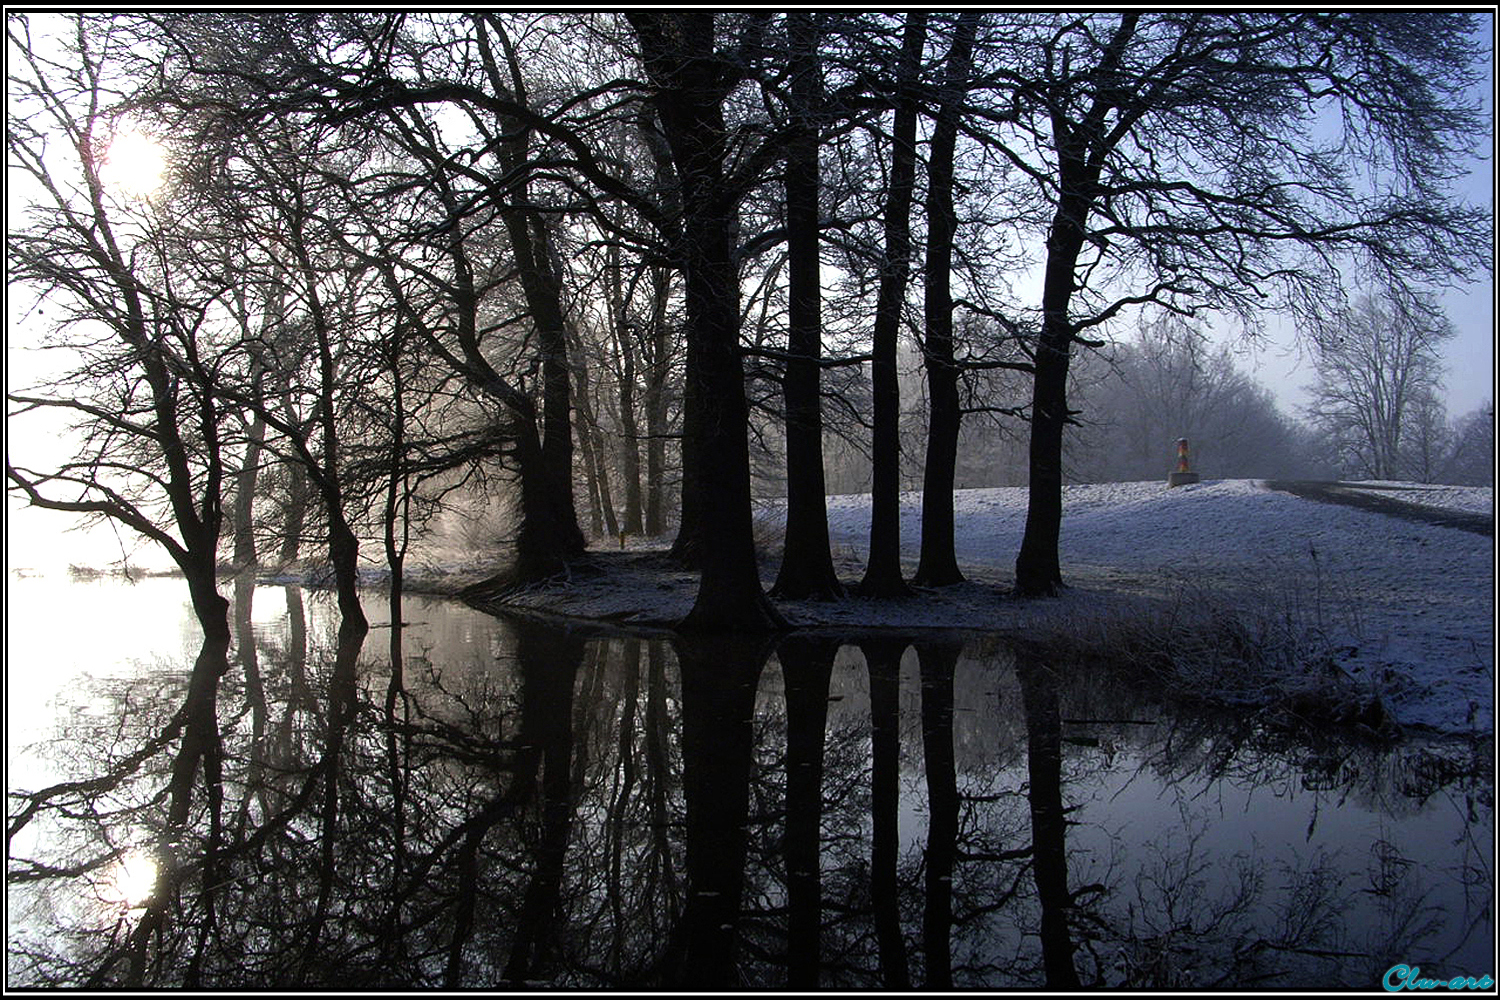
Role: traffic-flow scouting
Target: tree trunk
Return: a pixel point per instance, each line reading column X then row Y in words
column 630, row 442
column 656, row 406
column 606, row 497
column 541, row 284
column 656, row 445
column 630, row 445
column 543, row 289
column 687, row 547
column 343, row 545
column 679, row 55
column 591, row 475
column 883, row 576
column 938, row 565
column 601, row 505
column 295, row 520
column 538, row 554
column 729, row 592
column 807, row 563
column 244, row 495
column 1038, row 571
column 1079, row 161
column 659, row 363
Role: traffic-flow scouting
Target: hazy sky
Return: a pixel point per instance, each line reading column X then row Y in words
column 1470, row 355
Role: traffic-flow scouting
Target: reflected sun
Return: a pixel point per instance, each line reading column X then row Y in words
column 133, row 164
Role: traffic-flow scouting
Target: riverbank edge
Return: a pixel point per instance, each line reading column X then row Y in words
column 1175, row 644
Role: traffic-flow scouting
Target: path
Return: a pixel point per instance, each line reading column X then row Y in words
column 1358, row 495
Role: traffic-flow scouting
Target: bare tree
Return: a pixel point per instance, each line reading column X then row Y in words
column 1377, row 367
column 150, row 432
column 1168, row 383
column 938, row 564
column 1471, row 457
column 693, row 76
column 151, row 446
column 1182, row 168
column 807, row 564
column 1427, row 442
column 883, row 576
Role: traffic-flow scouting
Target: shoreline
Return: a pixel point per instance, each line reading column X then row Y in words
column 1238, row 584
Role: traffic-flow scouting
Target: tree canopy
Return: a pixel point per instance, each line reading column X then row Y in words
column 605, row 260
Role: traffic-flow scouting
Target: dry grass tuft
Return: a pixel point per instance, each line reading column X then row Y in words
column 1276, row 654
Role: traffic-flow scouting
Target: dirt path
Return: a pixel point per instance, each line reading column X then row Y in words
column 1358, row 495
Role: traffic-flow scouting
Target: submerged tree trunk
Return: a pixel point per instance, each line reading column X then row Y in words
column 883, row 576
column 807, row 563
column 550, row 674
column 719, row 681
column 938, row 662
column 1049, row 856
column 938, row 565
column 807, row 666
column 883, row 662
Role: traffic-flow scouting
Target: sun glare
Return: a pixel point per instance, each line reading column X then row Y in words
column 134, row 164
column 131, row 881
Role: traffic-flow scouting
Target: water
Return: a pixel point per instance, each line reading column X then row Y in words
column 529, row 806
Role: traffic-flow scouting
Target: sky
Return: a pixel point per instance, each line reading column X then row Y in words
column 1282, row 363
column 1470, row 356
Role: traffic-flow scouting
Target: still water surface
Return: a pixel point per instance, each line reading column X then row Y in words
column 523, row 805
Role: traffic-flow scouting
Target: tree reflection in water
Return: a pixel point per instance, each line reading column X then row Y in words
column 1049, row 853
column 543, row 807
column 883, row 663
column 938, row 661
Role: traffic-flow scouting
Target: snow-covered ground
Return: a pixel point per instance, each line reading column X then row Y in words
column 1414, row 602
column 1409, row 607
